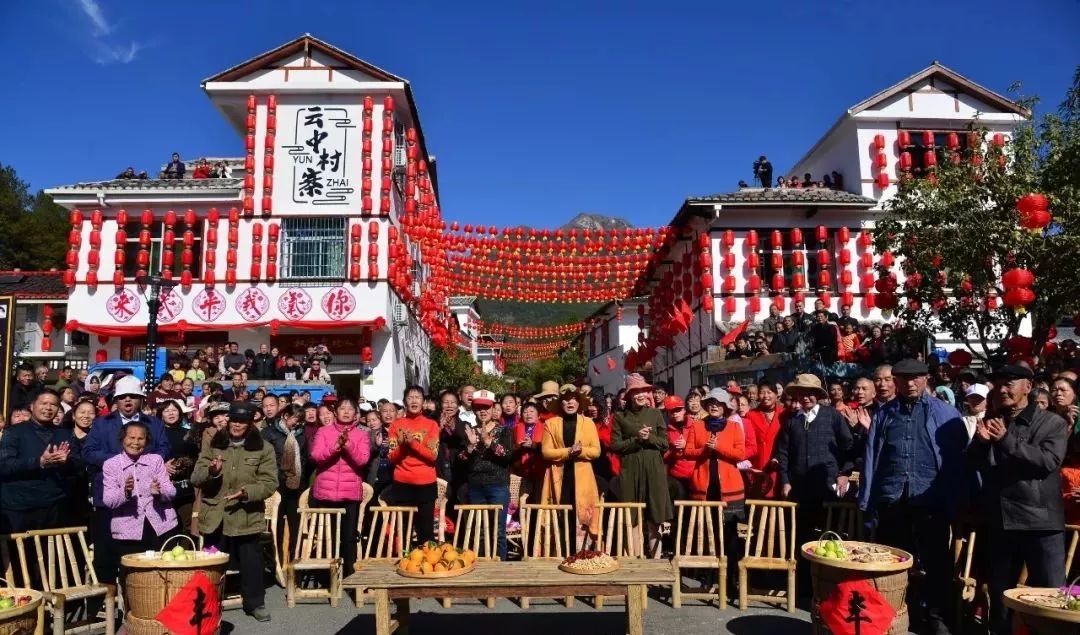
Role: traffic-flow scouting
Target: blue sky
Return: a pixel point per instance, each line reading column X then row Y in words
column 535, row 112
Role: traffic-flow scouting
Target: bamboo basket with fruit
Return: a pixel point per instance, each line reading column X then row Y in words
column 20, row 610
column 1047, row 611
column 833, row 560
column 436, row 560
column 153, row 578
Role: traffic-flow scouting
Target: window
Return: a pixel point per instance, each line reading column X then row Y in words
column 157, row 231
column 605, row 335
column 313, row 248
column 941, row 139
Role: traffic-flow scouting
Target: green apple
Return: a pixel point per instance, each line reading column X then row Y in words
column 177, row 550
column 7, row 602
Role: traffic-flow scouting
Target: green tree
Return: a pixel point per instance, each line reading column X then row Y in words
column 956, row 233
column 450, row 370
column 567, row 367
column 33, row 229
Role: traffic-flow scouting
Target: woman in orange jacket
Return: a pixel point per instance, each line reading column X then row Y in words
column 414, row 449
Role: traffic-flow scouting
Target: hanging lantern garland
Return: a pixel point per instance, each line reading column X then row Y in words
column 365, row 155
column 233, row 242
column 274, row 234
column 46, row 328
column 93, row 259
column 249, row 158
column 75, row 218
column 213, row 218
column 268, row 155
column 120, row 239
column 187, row 256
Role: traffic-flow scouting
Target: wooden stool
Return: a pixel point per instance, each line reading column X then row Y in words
column 62, row 557
column 700, row 546
column 545, row 535
column 477, row 528
column 770, row 546
column 318, row 548
column 622, row 534
column 845, row 518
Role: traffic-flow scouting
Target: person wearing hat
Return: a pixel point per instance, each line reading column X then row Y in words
column 975, row 404
column 679, row 468
column 717, row 446
column 812, row 455
column 915, row 481
column 639, row 436
column 569, row 446
column 1018, row 451
column 485, row 458
column 236, row 472
column 102, row 444
column 548, row 397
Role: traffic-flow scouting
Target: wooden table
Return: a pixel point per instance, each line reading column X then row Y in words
column 531, row 578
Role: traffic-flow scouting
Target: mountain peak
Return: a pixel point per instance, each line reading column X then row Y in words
column 597, row 221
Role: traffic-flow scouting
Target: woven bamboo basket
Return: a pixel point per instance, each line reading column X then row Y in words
column 149, row 584
column 889, row 578
column 21, row 620
column 1043, row 610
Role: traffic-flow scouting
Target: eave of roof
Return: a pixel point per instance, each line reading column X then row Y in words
column 774, row 197
column 306, row 43
column 151, row 185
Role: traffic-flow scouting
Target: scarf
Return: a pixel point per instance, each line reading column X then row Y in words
column 295, row 433
column 290, row 461
column 715, row 424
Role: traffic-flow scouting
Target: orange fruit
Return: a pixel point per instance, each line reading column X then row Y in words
column 416, row 555
column 433, row 556
column 426, row 567
column 456, row 564
column 469, row 556
column 440, row 566
column 403, row 564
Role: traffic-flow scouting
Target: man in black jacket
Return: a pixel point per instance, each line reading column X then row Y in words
column 1018, row 452
column 278, row 424
column 24, row 390
column 263, row 368
column 35, row 459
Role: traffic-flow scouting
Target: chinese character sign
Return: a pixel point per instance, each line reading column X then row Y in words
column 319, row 155
column 208, row 305
column 252, row 304
column 123, row 305
column 856, row 607
column 294, row 303
column 170, row 305
column 338, row 303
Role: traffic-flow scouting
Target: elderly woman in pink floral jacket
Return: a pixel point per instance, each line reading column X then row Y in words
column 137, row 487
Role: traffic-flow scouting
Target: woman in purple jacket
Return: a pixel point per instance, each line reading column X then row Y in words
column 137, row 487
column 340, row 451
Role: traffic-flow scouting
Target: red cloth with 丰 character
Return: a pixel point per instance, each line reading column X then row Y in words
column 195, row 610
column 855, row 607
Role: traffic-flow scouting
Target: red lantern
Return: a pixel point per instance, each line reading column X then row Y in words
column 822, row 233
column 752, row 238
column 777, row 281
column 844, row 256
column 1017, row 278
column 928, row 138
column 729, row 238
column 881, row 161
column 930, row 159
column 999, row 139
column 798, row 280
column 777, row 239
column 753, row 283
column 843, row 235
column 866, row 260
column 729, row 304
column 960, row 358
column 903, row 138
column 879, row 141
column 847, row 298
column 824, row 258
column 796, row 237
column 887, row 259
column 753, row 261
column 886, row 301
column 707, row 303
column 101, row 356
column 882, row 181
column 1018, row 297
column 952, row 141
column 905, row 161
column 729, row 260
column 845, row 278
column 824, row 279
column 797, row 258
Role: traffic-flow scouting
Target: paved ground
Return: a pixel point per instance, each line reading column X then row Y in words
column 545, row 617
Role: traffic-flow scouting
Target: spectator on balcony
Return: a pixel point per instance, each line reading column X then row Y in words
column 291, row 371
column 803, row 320
column 761, row 345
column 316, row 373
column 793, row 181
column 807, row 181
column 233, row 361
column 41, row 375
column 176, row 372
column 79, row 383
column 202, row 170
column 787, row 337
column 165, row 390
column 781, row 182
column 238, row 387
column 129, row 173
column 181, row 356
column 819, row 305
column 263, row 366
column 763, row 172
column 175, row 169
column 24, row 390
column 322, row 355
column 851, row 344
column 63, row 378
column 845, row 317
column 771, row 324
column 826, row 182
column 837, row 180
column 221, row 171
column 195, row 373
column 824, row 339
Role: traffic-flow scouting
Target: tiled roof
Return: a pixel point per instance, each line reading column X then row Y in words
column 787, row 196
column 462, row 300
column 33, row 284
column 143, row 185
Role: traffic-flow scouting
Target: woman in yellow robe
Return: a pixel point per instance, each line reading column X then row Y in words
column 570, row 439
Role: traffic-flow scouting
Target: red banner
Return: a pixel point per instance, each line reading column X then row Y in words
column 195, row 610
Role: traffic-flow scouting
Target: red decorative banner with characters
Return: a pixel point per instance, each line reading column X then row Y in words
column 856, row 607
column 294, row 303
column 170, row 305
column 209, row 305
column 195, row 610
column 252, row 304
column 123, row 305
column 338, row 303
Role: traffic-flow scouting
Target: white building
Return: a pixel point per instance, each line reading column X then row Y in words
column 302, row 245
column 868, row 146
column 482, row 347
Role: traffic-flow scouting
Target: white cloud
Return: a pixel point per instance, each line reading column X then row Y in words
column 105, row 48
column 96, row 16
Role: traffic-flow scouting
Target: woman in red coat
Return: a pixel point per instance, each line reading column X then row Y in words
column 765, row 420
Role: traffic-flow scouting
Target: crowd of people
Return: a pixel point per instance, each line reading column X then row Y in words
column 763, row 172
column 136, row 466
column 176, row 170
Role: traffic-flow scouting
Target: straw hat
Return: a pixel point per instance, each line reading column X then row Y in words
column 547, row 389
column 807, row 383
column 570, row 390
column 634, row 381
column 719, row 395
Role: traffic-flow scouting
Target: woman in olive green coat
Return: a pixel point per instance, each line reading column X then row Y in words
column 639, row 437
column 236, row 472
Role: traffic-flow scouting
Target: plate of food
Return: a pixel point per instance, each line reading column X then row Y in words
column 588, row 562
column 850, row 554
column 436, row 560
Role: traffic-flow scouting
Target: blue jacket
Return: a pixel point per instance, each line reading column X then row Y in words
column 949, row 438
column 27, row 485
column 103, row 443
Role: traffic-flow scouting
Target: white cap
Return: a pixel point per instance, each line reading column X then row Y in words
column 398, row 403
column 365, row 407
column 977, row 389
column 129, row 385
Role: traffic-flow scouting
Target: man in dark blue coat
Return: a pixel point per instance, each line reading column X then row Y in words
column 35, row 461
column 102, row 444
column 915, row 480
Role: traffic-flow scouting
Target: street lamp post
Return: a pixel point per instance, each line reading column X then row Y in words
column 156, row 284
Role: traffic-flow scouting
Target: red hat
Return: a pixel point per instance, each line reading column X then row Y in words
column 674, row 402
